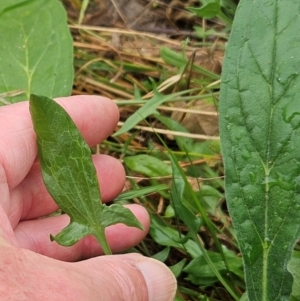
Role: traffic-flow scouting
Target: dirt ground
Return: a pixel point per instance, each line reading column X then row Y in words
column 165, row 16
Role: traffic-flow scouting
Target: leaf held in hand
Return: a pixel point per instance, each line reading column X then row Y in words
column 260, row 130
column 70, row 176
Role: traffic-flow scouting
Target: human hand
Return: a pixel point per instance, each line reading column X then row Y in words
column 34, row 268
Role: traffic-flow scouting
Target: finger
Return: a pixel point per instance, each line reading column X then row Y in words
column 96, row 118
column 129, row 277
column 30, row 199
column 35, row 236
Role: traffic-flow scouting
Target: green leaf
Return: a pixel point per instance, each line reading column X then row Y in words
column 148, row 165
column 294, row 268
column 136, row 193
column 167, row 236
column 115, row 214
column 177, row 268
column 142, row 113
column 184, row 144
column 70, row 176
column 178, row 189
column 178, row 60
column 172, row 57
column 209, row 198
column 36, row 49
column 259, row 127
column 162, row 255
column 209, row 9
column 71, row 234
column 205, row 275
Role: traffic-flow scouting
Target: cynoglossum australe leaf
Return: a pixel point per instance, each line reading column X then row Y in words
column 70, row 176
column 260, row 130
column 36, row 49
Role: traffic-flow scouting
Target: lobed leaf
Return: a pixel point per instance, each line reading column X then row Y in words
column 260, row 130
column 70, row 176
column 115, row 214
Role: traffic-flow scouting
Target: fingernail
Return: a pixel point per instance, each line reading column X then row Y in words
column 160, row 281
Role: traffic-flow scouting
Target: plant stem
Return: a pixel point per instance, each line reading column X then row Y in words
column 100, row 236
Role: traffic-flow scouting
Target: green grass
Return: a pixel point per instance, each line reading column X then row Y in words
column 173, row 169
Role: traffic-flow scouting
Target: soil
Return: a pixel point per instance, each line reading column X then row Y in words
column 165, row 16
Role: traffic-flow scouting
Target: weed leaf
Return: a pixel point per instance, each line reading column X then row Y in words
column 209, row 9
column 115, row 214
column 180, row 187
column 167, row 236
column 184, row 144
column 135, row 193
column 147, row 109
column 142, row 113
column 148, row 165
column 260, row 130
column 70, row 176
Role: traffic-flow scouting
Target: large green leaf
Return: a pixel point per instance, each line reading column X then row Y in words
column 36, row 51
column 70, row 176
column 259, row 127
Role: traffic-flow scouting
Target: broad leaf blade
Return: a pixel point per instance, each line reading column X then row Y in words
column 36, row 51
column 259, row 127
column 65, row 158
column 70, row 176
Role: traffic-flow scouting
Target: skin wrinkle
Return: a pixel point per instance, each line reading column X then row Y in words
column 26, row 285
column 6, row 231
column 4, row 190
column 32, row 194
column 120, row 273
column 21, row 137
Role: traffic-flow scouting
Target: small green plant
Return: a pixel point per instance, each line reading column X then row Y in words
column 70, row 176
column 260, row 130
column 223, row 9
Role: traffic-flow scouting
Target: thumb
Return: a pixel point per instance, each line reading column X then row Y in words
column 131, row 277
